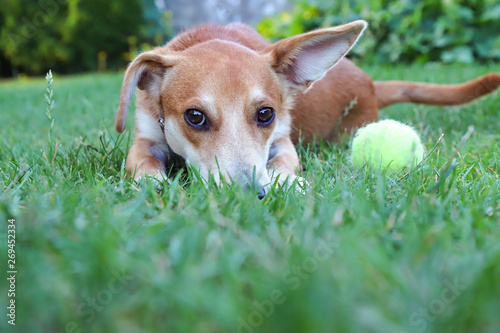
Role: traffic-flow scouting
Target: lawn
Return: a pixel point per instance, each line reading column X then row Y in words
column 360, row 251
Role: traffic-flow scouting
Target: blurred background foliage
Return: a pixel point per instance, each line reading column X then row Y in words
column 76, row 35
column 70, row 36
column 407, row 31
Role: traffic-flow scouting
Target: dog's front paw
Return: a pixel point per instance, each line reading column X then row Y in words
column 158, row 179
column 300, row 184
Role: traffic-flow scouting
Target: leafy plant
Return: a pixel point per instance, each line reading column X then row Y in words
column 406, row 30
column 74, row 36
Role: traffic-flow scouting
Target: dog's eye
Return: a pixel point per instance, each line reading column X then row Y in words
column 265, row 116
column 195, row 118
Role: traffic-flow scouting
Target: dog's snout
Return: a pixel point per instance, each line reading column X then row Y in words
column 253, row 184
column 262, row 193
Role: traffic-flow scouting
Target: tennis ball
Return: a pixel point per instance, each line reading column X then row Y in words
column 386, row 144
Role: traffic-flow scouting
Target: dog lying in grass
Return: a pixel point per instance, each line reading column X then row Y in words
column 233, row 105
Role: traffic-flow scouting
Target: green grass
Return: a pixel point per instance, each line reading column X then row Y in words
column 359, row 252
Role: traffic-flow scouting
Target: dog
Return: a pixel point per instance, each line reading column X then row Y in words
column 232, row 105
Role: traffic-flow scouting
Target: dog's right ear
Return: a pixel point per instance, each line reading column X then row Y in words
column 146, row 72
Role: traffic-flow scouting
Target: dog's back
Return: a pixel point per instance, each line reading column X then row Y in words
column 237, row 33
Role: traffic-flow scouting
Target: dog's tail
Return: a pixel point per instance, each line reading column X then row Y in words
column 391, row 92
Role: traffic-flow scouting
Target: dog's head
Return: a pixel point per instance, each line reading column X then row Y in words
column 224, row 104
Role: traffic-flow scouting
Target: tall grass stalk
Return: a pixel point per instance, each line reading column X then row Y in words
column 49, row 99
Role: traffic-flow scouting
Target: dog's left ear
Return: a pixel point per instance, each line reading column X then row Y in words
column 305, row 58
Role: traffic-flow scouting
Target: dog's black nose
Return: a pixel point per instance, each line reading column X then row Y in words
column 261, row 194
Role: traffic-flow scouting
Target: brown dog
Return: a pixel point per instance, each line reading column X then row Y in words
column 233, row 105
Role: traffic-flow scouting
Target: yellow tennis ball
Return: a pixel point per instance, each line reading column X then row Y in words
column 386, row 144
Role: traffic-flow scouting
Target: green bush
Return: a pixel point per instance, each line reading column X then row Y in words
column 407, row 30
column 74, row 35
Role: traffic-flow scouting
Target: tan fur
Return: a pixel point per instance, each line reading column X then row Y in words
column 391, row 92
column 231, row 72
